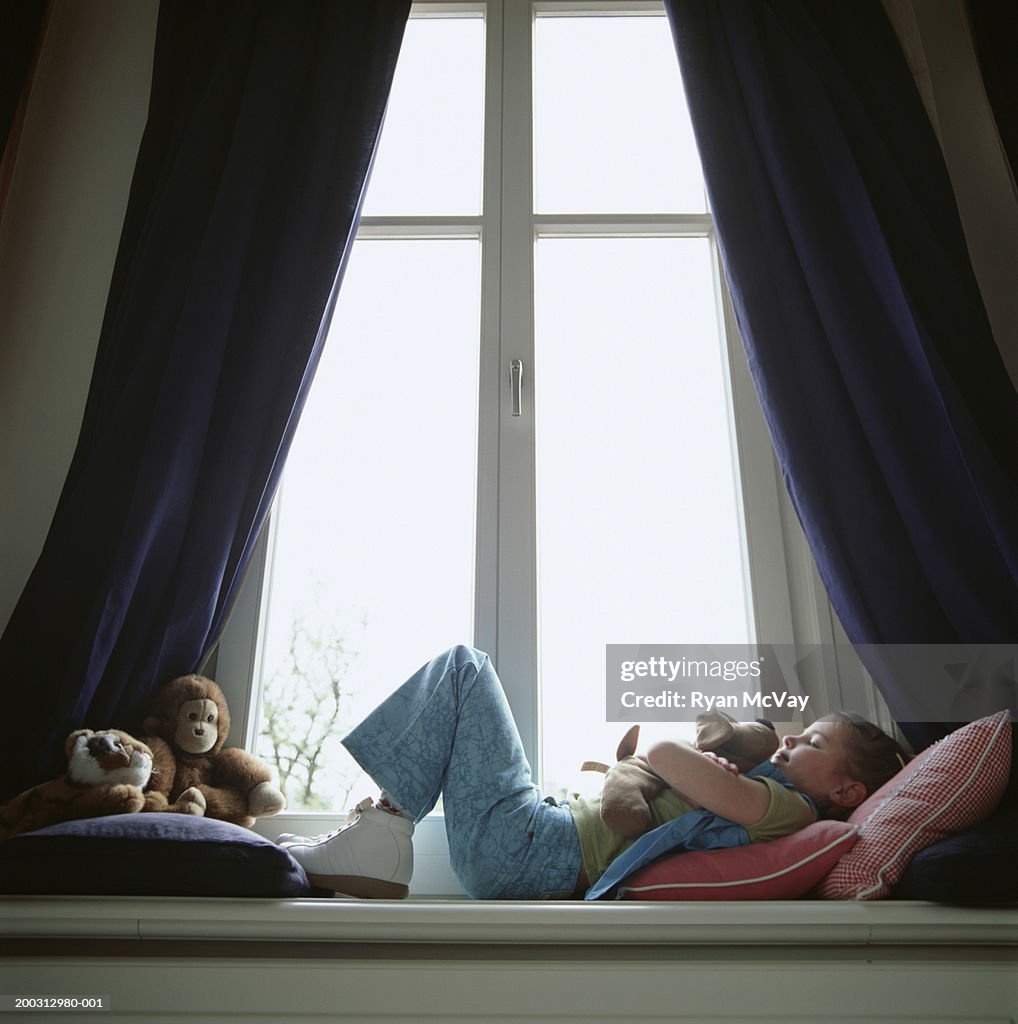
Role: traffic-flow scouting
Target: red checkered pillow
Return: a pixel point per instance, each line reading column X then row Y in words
column 950, row 786
column 782, row 869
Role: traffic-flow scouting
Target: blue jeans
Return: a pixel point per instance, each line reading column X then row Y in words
column 448, row 730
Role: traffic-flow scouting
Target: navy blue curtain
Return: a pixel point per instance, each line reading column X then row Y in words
column 262, row 127
column 890, row 409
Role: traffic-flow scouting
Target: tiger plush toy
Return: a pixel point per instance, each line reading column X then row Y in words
column 106, row 773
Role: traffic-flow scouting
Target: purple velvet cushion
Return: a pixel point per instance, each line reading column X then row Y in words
column 149, row 855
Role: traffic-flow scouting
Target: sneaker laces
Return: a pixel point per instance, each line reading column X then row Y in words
column 351, row 816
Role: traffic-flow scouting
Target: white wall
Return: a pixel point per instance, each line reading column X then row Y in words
column 58, row 241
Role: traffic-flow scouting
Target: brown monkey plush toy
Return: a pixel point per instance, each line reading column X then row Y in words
column 192, row 772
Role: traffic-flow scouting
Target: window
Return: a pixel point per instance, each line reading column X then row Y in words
column 537, row 200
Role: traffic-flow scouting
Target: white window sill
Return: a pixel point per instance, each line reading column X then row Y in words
column 433, row 921
column 433, row 875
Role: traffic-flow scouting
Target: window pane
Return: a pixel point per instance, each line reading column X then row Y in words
column 639, row 528
column 611, row 129
column 373, row 568
column 429, row 155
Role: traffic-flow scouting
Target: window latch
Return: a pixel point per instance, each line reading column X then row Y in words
column 516, row 385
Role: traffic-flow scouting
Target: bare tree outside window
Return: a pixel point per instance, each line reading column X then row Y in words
column 305, row 711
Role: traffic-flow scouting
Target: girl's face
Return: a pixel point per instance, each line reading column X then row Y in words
column 815, row 762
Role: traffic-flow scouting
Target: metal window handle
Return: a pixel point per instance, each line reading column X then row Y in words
column 516, row 385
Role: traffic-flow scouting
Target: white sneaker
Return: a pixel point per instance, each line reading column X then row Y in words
column 372, row 856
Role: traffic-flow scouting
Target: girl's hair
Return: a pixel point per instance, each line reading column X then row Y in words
column 872, row 756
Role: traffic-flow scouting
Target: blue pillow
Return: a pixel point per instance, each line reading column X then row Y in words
column 149, row 855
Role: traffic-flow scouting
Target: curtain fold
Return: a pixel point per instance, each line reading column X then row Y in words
column 262, row 127
column 994, row 26
column 23, row 24
column 891, row 412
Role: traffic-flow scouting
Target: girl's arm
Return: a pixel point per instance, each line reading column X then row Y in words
column 711, row 785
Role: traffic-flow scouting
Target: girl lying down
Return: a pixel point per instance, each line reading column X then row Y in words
column 448, row 731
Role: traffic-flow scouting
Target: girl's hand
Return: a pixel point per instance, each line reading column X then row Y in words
column 722, row 761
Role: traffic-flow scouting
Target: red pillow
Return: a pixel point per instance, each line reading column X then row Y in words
column 948, row 787
column 782, row 869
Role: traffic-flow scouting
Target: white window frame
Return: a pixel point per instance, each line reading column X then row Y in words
column 789, row 606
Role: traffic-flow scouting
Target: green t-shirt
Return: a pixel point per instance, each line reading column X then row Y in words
column 787, row 812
